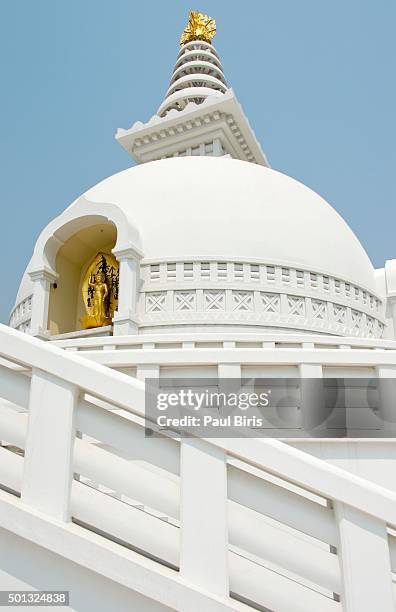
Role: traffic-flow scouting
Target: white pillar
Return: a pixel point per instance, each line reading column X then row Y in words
column 313, row 407
column 392, row 304
column 364, row 560
column 387, row 397
column 42, row 280
column 147, row 371
column 228, row 370
column 203, row 515
column 390, row 283
column 217, row 147
column 48, row 466
column 125, row 319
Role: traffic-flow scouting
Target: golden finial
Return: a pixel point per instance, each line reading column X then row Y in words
column 199, row 27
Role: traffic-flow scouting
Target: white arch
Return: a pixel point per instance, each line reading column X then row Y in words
column 82, row 213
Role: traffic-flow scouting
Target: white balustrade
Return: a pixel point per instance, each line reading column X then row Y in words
column 227, row 512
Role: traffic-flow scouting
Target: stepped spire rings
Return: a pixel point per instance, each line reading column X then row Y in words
column 199, row 27
column 100, row 291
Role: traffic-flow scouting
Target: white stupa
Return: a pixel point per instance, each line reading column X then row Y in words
column 200, row 261
column 210, row 236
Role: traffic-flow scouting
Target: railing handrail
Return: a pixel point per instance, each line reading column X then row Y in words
column 93, row 378
column 272, row 456
column 207, row 356
column 165, row 338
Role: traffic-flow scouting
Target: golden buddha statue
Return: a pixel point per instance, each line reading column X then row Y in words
column 100, row 291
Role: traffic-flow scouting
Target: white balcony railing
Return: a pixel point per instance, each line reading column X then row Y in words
column 237, row 523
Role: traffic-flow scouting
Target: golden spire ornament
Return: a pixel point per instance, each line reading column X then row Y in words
column 199, row 27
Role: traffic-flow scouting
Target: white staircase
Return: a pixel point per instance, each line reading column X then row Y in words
column 190, row 525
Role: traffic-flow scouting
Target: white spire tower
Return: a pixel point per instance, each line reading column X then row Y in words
column 197, row 75
column 200, row 114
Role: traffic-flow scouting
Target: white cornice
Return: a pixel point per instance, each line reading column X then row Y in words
column 128, row 253
column 44, row 273
column 218, row 117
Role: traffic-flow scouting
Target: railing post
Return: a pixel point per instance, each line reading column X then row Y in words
column 203, row 515
column 365, row 561
column 48, row 466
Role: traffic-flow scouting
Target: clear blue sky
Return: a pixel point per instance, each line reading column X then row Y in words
column 316, row 80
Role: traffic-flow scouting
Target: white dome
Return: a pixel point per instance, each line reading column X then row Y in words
column 220, row 207
column 304, row 269
column 197, row 207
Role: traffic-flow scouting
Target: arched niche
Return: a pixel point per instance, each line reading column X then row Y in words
column 71, row 262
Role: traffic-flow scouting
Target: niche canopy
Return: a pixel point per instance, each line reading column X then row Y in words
column 200, row 114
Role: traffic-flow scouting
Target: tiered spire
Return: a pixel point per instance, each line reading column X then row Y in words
column 200, row 114
column 198, row 72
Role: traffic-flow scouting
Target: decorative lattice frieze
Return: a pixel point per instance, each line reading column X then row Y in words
column 370, row 326
column 270, row 302
column 257, row 307
column 310, row 283
column 356, row 319
column 257, row 293
column 379, row 329
column 339, row 313
column 155, row 302
column 214, row 300
column 243, row 300
column 296, row 305
column 185, row 300
column 319, row 309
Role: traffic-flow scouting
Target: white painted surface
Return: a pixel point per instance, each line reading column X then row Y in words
column 203, row 515
column 40, row 302
column 248, row 198
column 279, row 593
column 285, row 260
column 365, row 561
column 274, row 510
column 109, row 560
column 250, row 531
column 125, row 318
column 374, row 460
column 48, row 465
column 44, row 570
